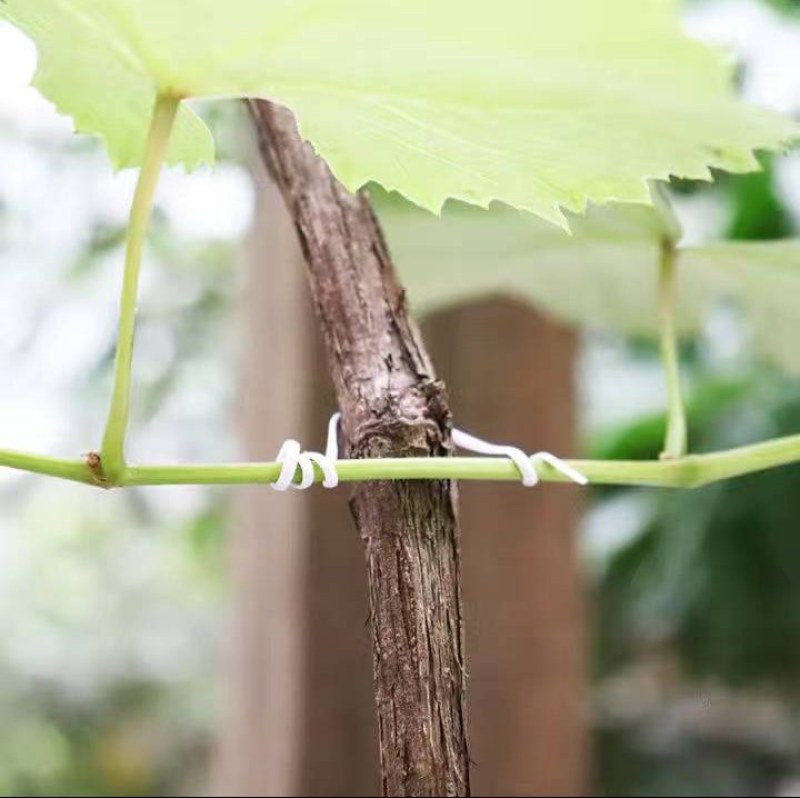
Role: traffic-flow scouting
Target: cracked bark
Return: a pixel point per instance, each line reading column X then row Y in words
column 393, row 406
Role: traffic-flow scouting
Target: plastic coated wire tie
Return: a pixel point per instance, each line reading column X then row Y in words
column 526, row 465
column 291, row 457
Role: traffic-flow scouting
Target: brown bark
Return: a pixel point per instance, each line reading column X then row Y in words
column 510, row 373
column 392, row 405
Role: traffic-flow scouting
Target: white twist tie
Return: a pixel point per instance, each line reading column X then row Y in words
column 526, row 465
column 291, row 457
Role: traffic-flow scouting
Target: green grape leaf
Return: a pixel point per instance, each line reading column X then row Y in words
column 467, row 254
column 91, row 72
column 763, row 278
column 542, row 105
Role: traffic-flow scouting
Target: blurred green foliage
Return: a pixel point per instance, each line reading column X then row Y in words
column 696, row 613
column 788, row 6
column 758, row 213
column 713, row 571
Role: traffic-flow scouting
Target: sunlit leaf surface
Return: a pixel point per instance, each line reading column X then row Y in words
column 543, row 105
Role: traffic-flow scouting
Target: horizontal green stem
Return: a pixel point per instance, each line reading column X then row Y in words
column 72, row 470
column 686, row 472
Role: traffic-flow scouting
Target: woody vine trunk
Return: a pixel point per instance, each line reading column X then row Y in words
column 392, row 406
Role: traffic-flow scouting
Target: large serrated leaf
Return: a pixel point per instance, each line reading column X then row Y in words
column 91, row 74
column 543, row 105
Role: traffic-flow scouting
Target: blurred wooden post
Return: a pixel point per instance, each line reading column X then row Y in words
column 259, row 752
column 340, row 741
column 509, row 373
column 298, row 722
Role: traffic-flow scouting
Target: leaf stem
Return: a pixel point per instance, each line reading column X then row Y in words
column 676, row 442
column 113, row 448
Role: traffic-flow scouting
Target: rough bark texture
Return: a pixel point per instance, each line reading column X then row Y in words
column 392, row 406
column 510, row 372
